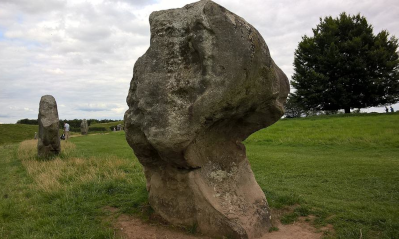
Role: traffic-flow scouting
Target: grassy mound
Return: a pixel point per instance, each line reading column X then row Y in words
column 14, row 133
column 358, row 130
column 106, row 126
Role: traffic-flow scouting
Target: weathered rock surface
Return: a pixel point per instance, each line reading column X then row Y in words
column 205, row 84
column 84, row 127
column 48, row 143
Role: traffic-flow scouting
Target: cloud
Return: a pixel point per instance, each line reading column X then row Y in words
column 90, row 33
column 111, row 108
column 93, row 107
column 83, row 52
column 134, row 2
column 119, row 110
column 34, row 7
column 55, row 71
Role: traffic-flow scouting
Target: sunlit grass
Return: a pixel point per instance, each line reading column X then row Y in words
column 64, row 196
column 27, row 149
column 68, row 171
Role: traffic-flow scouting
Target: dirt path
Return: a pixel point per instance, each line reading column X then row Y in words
column 134, row 228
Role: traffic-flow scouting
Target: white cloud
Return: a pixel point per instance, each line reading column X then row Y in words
column 83, row 52
column 55, row 71
column 34, row 7
column 93, row 107
column 119, row 110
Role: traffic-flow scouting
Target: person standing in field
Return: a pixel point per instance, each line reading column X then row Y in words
column 386, row 109
column 392, row 110
column 66, row 131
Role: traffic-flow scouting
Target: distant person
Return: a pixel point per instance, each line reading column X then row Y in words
column 66, row 131
column 114, row 129
column 35, row 135
column 386, row 109
column 392, row 110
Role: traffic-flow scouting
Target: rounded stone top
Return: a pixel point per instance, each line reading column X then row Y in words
column 206, row 68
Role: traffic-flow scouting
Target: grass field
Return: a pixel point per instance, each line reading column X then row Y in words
column 14, row 133
column 341, row 169
column 106, row 125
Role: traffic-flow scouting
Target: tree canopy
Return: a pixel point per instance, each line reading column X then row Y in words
column 344, row 65
column 293, row 109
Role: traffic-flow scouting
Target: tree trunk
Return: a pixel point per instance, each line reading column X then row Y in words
column 347, row 110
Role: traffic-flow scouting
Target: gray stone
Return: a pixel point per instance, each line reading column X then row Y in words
column 206, row 83
column 48, row 143
column 84, row 127
column 119, row 127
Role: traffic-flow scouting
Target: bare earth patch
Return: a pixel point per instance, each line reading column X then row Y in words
column 131, row 227
column 298, row 230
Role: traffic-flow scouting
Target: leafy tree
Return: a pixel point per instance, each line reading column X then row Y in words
column 28, row 121
column 293, row 109
column 344, row 65
column 75, row 123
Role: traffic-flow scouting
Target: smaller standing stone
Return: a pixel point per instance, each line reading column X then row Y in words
column 119, row 127
column 48, row 143
column 84, row 127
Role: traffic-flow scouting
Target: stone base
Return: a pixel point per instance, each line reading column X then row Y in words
column 219, row 202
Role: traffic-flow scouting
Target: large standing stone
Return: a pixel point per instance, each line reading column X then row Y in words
column 48, row 143
column 206, row 83
column 84, row 127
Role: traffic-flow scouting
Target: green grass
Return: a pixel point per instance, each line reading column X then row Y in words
column 14, row 133
column 343, row 170
column 103, row 145
column 66, row 197
column 106, row 125
column 358, row 130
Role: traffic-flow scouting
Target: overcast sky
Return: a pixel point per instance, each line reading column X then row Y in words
column 82, row 51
